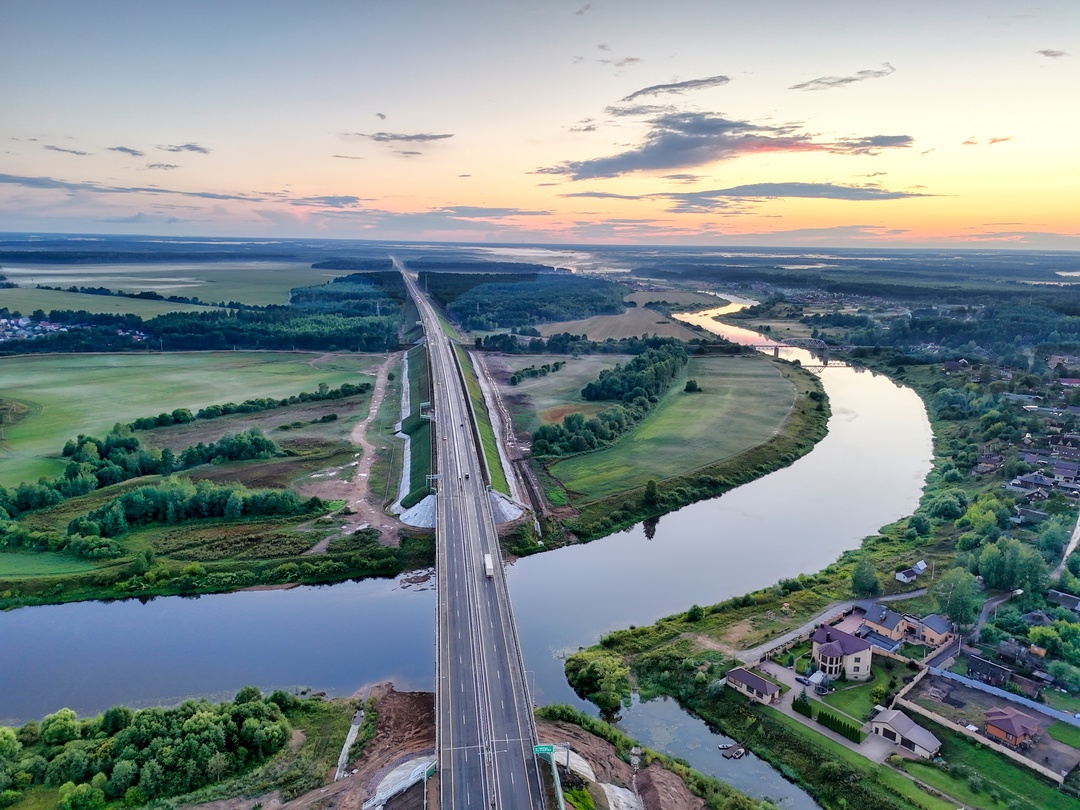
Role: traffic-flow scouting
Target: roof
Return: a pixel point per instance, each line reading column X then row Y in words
column 906, row 727
column 937, row 623
column 980, row 666
column 879, row 615
column 845, row 642
column 1064, row 599
column 747, row 678
column 1012, row 721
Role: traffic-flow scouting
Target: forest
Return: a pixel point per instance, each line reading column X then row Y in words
column 135, row 757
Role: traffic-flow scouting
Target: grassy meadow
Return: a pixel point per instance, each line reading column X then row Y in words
column 248, row 282
column 540, row 400
column 632, row 323
column 65, row 395
column 743, row 403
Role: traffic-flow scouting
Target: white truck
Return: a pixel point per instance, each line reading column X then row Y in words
column 489, row 566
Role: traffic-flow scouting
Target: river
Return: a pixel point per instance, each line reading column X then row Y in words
column 868, row 471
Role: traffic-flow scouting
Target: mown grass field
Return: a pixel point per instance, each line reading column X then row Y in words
column 71, row 394
column 26, row 300
column 38, row 563
column 744, row 401
column 483, row 425
column 632, row 323
column 539, row 400
column 247, row 282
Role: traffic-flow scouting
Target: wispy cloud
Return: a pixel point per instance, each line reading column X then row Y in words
column 1000, row 140
column 50, row 183
column 1050, row 53
column 348, row 157
column 164, row 166
column 327, row 201
column 381, row 116
column 682, row 178
column 409, row 153
column 52, row 148
column 127, row 150
column 482, row 212
column 828, row 82
column 638, row 110
column 399, row 137
column 688, row 139
column 586, row 125
column 583, row 9
column 678, row 87
column 185, row 147
column 622, row 62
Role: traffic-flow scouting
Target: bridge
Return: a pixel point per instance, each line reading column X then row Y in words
column 485, row 730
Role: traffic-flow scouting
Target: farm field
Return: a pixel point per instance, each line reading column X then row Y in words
column 27, row 299
column 248, row 282
column 540, row 400
column 71, row 394
column 632, row 323
column 744, row 401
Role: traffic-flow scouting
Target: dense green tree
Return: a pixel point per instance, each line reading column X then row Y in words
column 957, row 595
column 59, row 728
column 864, row 578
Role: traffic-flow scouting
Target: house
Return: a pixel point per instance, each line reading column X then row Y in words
column 836, row 652
column 1011, row 726
column 753, row 685
column 980, row 669
column 909, row 575
column 879, row 622
column 898, row 728
column 1064, row 599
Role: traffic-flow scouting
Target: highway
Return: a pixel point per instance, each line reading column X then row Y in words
column 485, row 727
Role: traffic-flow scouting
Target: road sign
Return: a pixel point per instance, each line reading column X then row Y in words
column 543, row 749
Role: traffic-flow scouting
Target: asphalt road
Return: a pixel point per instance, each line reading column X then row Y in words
column 485, row 730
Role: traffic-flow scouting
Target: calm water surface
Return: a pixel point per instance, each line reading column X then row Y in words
column 867, row 472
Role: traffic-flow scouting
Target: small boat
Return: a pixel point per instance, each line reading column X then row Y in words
column 738, row 754
column 725, row 746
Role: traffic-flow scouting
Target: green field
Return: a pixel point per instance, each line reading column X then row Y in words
column 559, row 393
column 26, row 300
column 489, row 446
column 38, row 563
column 247, row 282
column 743, row 403
column 687, row 298
column 1065, row 733
column 632, row 323
column 71, row 394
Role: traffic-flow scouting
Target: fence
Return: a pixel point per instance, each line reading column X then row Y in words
column 1042, row 708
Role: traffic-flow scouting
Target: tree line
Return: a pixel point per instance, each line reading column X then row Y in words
column 636, row 387
column 137, row 757
column 181, row 416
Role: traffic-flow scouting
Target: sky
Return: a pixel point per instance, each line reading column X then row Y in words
column 777, row 123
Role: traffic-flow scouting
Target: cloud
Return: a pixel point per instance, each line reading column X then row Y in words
column 65, row 151
column 970, row 142
column 703, row 201
column 683, row 178
column 636, row 110
column 605, row 195
column 828, row 82
column 127, row 150
column 50, row 183
column 688, row 139
column 678, row 87
column 409, row 153
column 328, row 201
column 143, row 219
column 398, row 137
column 482, row 212
column 1049, row 53
column 381, row 116
column 583, row 9
column 165, row 166
column 348, row 157
column 464, row 175
column 623, row 62
column 586, row 125
column 1000, row 140
column 185, row 147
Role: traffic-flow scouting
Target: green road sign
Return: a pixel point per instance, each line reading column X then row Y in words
column 543, row 749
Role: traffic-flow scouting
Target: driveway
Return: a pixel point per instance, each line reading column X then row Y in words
column 874, row 748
